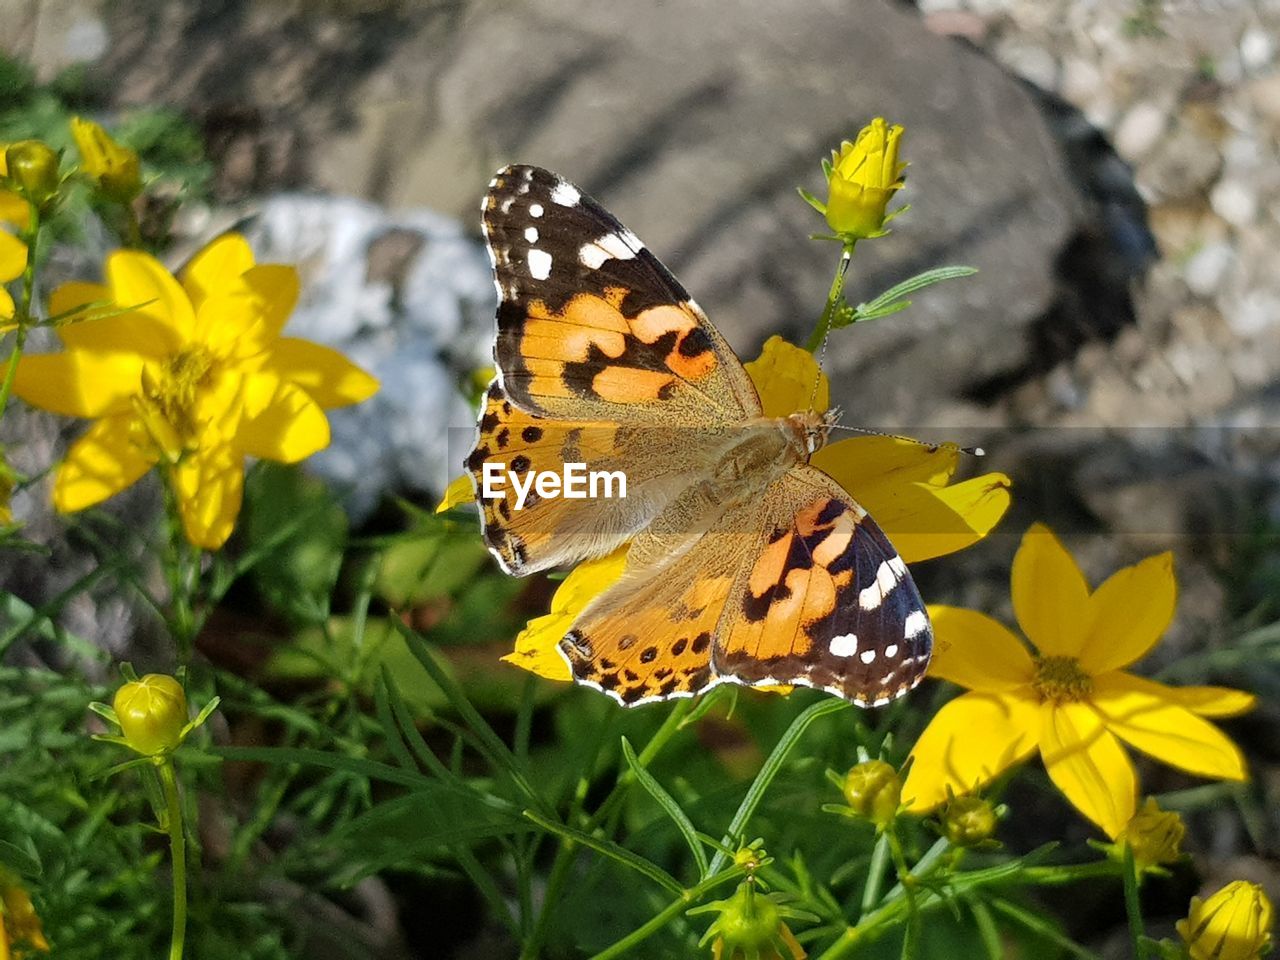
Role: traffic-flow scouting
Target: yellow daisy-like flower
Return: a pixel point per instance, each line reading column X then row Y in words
column 904, row 485
column 1233, row 924
column 1070, row 699
column 20, row 928
column 192, row 375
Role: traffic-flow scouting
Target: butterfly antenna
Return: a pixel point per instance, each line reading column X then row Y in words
column 817, row 379
column 971, row 451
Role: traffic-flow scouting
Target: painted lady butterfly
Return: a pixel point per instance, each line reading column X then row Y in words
column 745, row 563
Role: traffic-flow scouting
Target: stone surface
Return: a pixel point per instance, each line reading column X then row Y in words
column 695, row 123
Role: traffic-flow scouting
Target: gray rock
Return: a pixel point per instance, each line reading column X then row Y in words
column 694, row 123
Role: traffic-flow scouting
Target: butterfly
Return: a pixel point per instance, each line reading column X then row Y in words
column 745, row 563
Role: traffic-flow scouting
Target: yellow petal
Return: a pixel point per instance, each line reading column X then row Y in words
column 330, row 378
column 13, row 256
column 275, row 288
column 281, row 422
column 7, row 309
column 460, row 490
column 788, row 379
column 209, row 485
column 925, row 521
column 101, row 463
column 127, row 332
column 140, row 282
column 231, row 326
column 79, row 383
column 977, row 652
column 217, row 268
column 1129, row 613
column 968, row 743
column 537, row 645
column 1204, row 701
column 13, row 209
column 1165, row 729
column 1088, row 765
column 871, row 467
column 1050, row 595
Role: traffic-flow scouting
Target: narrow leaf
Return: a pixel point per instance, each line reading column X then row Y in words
column 669, row 804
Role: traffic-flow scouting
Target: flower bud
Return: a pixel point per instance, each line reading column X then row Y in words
column 19, row 923
column 864, row 176
column 116, row 169
column 1154, row 836
column 152, row 712
column 33, row 170
column 874, row 790
column 968, row 821
column 750, row 927
column 1233, row 924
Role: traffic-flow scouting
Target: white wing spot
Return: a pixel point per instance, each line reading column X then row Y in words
column 897, row 566
column 535, row 210
column 505, row 205
column 845, row 645
column 565, row 194
column 531, row 234
column 539, row 264
column 867, row 656
column 609, row 247
column 886, row 579
column 891, row 651
column 917, row 622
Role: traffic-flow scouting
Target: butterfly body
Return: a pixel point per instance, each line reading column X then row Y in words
column 744, row 563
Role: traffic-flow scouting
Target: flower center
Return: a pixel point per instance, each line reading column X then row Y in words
column 171, row 393
column 1061, row 680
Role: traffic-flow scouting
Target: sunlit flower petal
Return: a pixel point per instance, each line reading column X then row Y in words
column 79, row 383
column 1086, row 762
column 1050, row 595
column 330, row 378
column 1233, row 924
column 275, row 287
column 281, row 421
column 537, row 645
column 13, row 209
column 788, row 379
column 1129, row 614
column 970, row 742
column 460, row 490
column 977, row 652
column 138, row 281
column 217, row 268
column 1204, row 701
column 106, row 329
column 7, row 309
column 1165, row 730
column 210, row 485
column 925, row 521
column 876, row 465
column 104, row 461
column 13, row 257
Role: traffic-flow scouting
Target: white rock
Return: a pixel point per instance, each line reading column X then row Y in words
column 1205, row 270
column 1140, row 129
column 1257, row 48
column 1257, row 312
column 1234, row 201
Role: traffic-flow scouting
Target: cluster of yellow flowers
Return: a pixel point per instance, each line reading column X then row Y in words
column 189, row 373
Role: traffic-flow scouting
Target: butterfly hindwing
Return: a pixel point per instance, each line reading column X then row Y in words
column 591, row 326
column 825, row 601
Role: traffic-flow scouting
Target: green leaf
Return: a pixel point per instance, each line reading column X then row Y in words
column 772, row 766
column 669, row 804
column 610, row 849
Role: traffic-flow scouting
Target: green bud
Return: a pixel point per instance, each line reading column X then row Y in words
column 874, row 790
column 968, row 821
column 33, row 169
column 152, row 712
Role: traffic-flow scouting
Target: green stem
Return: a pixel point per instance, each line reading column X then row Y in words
column 178, row 572
column 178, row 853
column 1132, row 907
column 833, row 302
column 908, row 882
column 22, row 316
column 669, row 913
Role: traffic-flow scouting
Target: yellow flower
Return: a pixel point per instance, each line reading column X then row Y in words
column 13, row 209
column 1233, row 924
column 115, row 168
column 13, row 260
column 905, row 485
column 20, row 929
column 1070, row 699
column 1154, row 836
column 152, row 712
column 861, row 181
column 194, row 376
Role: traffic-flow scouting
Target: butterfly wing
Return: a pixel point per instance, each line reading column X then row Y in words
column 630, row 475
column 798, row 586
column 591, row 326
column 825, row 600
